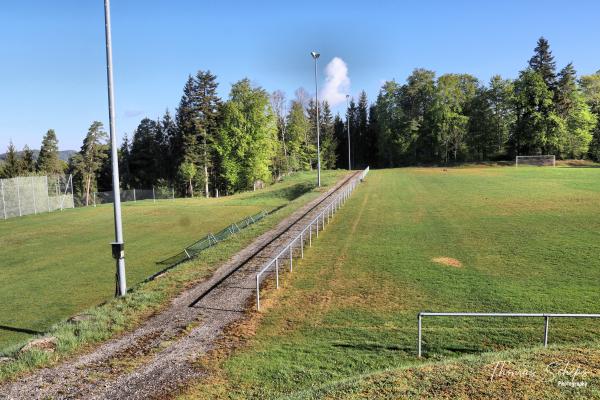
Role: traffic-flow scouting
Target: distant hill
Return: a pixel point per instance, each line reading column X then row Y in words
column 63, row 154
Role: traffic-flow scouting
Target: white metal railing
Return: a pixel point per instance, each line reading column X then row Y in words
column 299, row 241
column 546, row 317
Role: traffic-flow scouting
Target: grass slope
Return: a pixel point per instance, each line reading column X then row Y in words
column 527, row 240
column 57, row 264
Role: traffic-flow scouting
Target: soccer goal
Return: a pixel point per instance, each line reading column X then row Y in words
column 540, row 161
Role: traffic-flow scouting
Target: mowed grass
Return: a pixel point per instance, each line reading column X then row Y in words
column 55, row 265
column 528, row 240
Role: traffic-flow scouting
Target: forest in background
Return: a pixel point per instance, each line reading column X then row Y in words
column 213, row 146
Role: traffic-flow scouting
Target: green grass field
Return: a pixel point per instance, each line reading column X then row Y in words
column 58, row 264
column 527, row 240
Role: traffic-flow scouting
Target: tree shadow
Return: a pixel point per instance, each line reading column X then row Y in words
column 20, row 330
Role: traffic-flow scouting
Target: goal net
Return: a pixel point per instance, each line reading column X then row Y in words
column 539, row 161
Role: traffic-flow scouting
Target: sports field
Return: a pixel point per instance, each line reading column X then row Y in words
column 496, row 239
column 58, row 264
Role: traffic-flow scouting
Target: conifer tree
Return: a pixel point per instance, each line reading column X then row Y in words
column 88, row 162
column 543, row 63
column 28, row 161
column 12, row 163
column 328, row 139
column 362, row 131
column 145, row 154
column 48, row 161
column 124, row 158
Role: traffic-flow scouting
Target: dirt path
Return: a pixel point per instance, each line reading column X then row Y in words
column 157, row 358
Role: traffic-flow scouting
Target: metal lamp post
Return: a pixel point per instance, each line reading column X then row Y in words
column 348, row 121
column 316, row 55
column 118, row 245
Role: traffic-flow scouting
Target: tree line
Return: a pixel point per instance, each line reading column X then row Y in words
column 214, row 146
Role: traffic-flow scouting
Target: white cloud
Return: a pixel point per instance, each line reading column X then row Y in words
column 337, row 82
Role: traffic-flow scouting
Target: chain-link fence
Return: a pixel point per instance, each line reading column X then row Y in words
column 209, row 240
column 35, row 194
column 132, row 195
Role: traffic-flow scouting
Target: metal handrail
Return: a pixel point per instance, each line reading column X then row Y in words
column 546, row 317
column 328, row 211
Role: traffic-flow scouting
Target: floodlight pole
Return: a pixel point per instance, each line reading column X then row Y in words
column 348, row 121
column 316, row 55
column 118, row 244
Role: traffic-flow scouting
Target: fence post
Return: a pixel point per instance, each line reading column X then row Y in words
column 48, row 193
column 94, row 199
column 134, row 200
column 153, row 196
column 277, row 273
column 317, row 230
column 546, row 321
column 19, row 196
column 33, row 193
column 72, row 194
column 302, row 245
column 419, row 339
column 291, row 258
column 3, row 203
column 310, row 235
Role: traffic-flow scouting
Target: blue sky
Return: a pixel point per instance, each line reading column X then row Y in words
column 53, row 75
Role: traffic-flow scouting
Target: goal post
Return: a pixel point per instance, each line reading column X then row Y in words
column 539, row 161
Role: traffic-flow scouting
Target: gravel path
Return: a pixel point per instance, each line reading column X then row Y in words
column 157, row 358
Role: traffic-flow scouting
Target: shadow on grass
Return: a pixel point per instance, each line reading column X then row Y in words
column 20, row 330
column 373, row 347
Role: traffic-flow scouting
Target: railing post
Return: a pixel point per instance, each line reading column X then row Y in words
column 257, row 293
column 153, row 195
column 277, row 273
column 291, row 257
column 134, row 200
column 419, row 339
column 317, row 230
column 546, row 321
column 302, row 244
column 310, row 235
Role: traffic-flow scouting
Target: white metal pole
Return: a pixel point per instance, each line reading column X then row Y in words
column 348, row 121
column 546, row 320
column 134, row 199
column 153, row 196
column 3, row 203
column 315, row 56
column 419, row 339
column 173, row 191
column 119, row 244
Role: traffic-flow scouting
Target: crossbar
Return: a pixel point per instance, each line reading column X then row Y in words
column 546, row 317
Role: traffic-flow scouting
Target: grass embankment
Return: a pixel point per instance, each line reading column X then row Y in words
column 418, row 239
column 56, row 265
